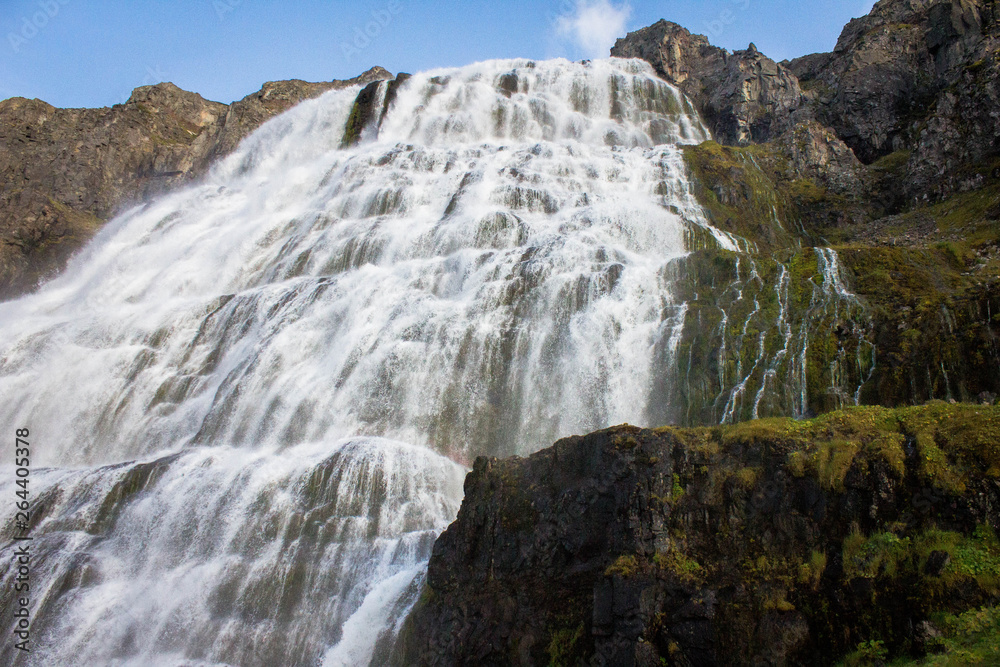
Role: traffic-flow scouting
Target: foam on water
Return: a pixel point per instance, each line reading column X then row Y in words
column 483, row 273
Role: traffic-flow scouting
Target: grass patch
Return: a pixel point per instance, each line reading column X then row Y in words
column 685, row 568
column 970, row 638
column 562, row 646
column 624, row 566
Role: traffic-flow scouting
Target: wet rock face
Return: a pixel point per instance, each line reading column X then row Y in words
column 745, row 96
column 635, row 547
column 63, row 172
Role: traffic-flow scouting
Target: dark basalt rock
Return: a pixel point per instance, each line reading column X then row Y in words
column 709, row 547
column 890, row 69
column 368, row 111
column 364, row 112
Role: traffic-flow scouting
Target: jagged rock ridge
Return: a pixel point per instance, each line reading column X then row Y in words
column 914, row 75
column 744, row 96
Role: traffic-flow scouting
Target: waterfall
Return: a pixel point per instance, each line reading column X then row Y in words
column 253, row 402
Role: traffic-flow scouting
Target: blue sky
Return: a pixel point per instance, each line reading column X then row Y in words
column 86, row 53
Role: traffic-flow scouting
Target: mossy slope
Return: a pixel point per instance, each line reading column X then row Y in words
column 926, row 277
column 864, row 532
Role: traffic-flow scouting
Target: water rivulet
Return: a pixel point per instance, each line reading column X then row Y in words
column 252, row 401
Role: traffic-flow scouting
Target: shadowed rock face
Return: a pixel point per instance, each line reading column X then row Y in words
column 745, row 96
column 63, row 172
column 761, row 544
column 890, row 69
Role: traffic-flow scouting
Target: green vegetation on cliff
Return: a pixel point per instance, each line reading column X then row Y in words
column 926, row 279
column 865, row 535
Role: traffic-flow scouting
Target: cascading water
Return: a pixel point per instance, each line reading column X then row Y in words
column 222, row 384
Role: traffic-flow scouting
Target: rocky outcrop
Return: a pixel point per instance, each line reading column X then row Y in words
column 813, row 151
column 744, row 96
column 891, row 68
column 759, row 544
column 63, row 172
column 919, row 76
column 275, row 98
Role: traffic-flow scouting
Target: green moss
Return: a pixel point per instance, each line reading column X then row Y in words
column 749, row 320
column 932, row 308
column 830, row 461
column 867, row 654
column 893, row 163
column 746, row 478
column 739, row 194
column 624, row 566
column 680, row 565
column 811, row 572
column 945, row 262
column 806, row 191
column 356, row 120
column 626, row 441
column 676, row 490
column 973, row 560
column 970, row 638
column 881, row 554
column 953, row 441
column 778, row 430
column 562, row 646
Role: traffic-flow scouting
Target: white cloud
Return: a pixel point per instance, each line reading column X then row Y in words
column 594, row 25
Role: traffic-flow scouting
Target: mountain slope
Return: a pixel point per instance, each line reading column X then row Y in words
column 63, row 172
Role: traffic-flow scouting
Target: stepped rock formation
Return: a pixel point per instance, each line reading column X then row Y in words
column 478, row 269
column 66, row 171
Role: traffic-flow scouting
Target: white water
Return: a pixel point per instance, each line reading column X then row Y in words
column 484, row 273
column 234, row 556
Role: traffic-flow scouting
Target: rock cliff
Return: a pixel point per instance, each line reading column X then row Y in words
column 744, row 96
column 859, row 537
column 63, row 172
column 767, row 543
column 886, row 149
column 914, row 75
